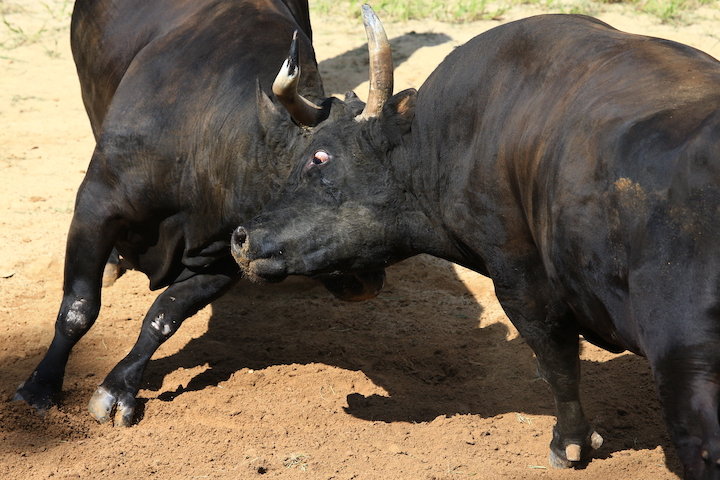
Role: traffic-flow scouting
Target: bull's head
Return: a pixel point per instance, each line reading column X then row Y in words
column 342, row 209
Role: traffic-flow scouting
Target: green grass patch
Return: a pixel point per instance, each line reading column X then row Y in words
column 29, row 23
column 460, row 11
column 667, row 11
column 455, row 11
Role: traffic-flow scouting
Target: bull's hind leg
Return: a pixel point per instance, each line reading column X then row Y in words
column 549, row 328
column 688, row 379
column 90, row 240
column 170, row 309
column 113, row 269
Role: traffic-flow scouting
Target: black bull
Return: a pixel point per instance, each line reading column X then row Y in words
column 575, row 165
column 189, row 145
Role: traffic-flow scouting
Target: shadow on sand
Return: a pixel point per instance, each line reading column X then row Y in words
column 420, row 341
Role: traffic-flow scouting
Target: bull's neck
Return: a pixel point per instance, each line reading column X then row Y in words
column 422, row 228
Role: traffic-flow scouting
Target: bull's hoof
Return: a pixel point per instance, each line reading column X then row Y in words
column 574, row 454
column 40, row 397
column 557, row 462
column 105, row 405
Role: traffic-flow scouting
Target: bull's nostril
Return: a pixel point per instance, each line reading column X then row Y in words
column 239, row 236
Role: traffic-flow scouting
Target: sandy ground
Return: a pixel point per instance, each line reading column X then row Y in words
column 428, row 381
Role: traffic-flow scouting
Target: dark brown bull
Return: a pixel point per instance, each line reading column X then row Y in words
column 575, row 165
column 189, row 145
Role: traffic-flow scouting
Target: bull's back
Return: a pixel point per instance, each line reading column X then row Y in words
column 518, row 91
column 106, row 36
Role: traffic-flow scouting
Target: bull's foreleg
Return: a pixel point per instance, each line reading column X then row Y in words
column 688, row 379
column 179, row 301
column 549, row 329
column 88, row 247
column 559, row 365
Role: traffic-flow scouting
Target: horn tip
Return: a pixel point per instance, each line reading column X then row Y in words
column 369, row 15
column 292, row 63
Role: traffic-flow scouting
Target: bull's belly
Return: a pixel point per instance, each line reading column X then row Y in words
column 603, row 323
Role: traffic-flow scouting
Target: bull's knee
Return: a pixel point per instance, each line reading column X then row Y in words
column 75, row 320
column 163, row 326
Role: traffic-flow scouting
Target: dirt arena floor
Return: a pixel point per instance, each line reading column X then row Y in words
column 428, row 381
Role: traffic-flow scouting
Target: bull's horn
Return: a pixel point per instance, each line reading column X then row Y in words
column 381, row 65
column 302, row 110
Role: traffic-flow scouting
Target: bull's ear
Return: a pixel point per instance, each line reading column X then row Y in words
column 398, row 112
column 356, row 105
column 268, row 113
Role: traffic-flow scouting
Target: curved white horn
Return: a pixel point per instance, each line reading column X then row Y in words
column 302, row 110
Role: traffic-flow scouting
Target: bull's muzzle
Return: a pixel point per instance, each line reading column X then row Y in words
column 258, row 267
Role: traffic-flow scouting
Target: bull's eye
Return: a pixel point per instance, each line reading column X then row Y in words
column 318, row 158
column 321, row 156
